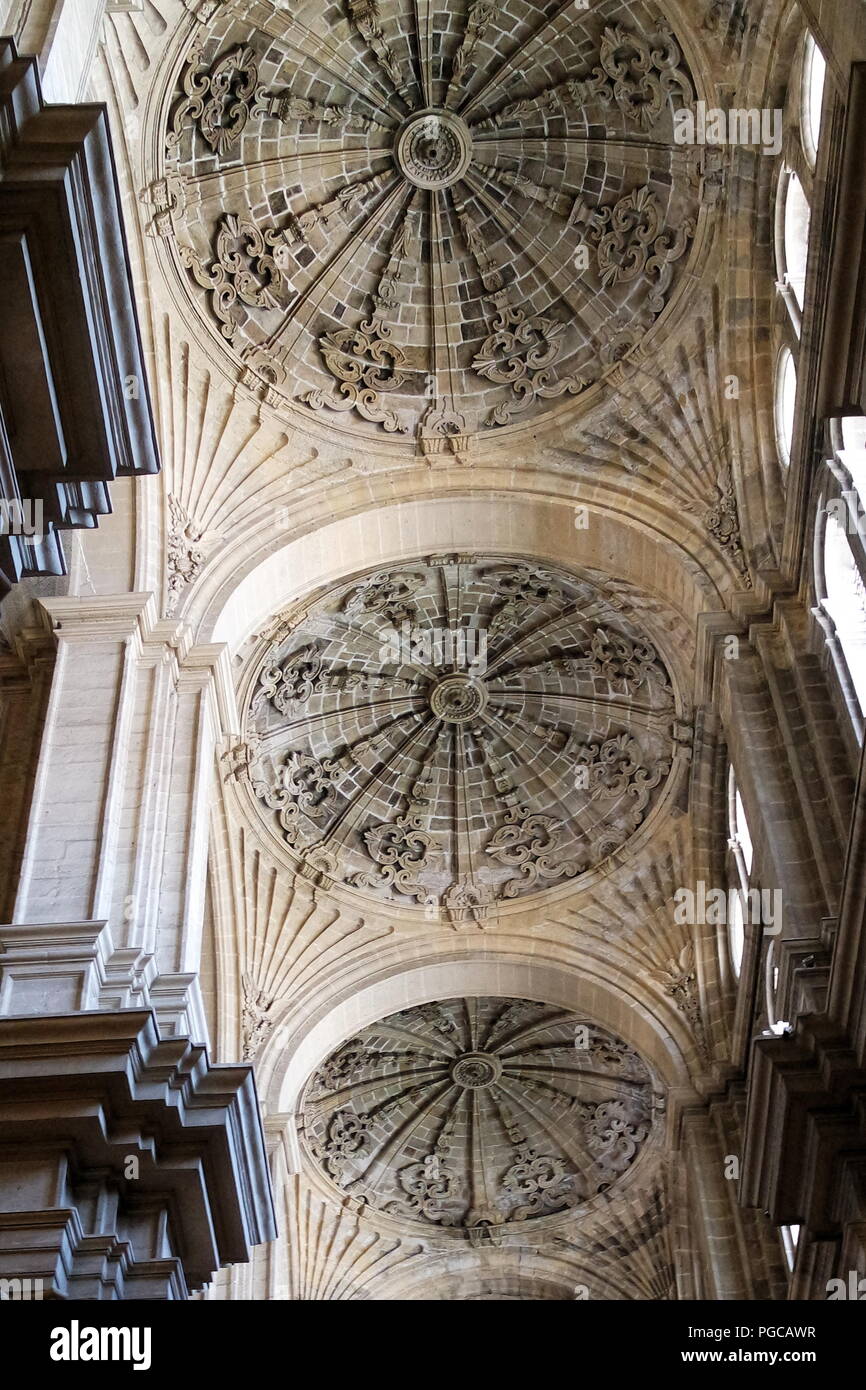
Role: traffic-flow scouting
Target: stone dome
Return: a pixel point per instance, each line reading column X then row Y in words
column 426, row 232
column 459, row 732
column 478, row 1113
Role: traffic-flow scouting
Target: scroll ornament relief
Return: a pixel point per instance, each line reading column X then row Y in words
column 301, row 676
column 257, row 1020
column 631, row 242
column 387, row 595
column 422, row 360
column 401, row 848
column 364, row 362
column 640, row 75
column 189, row 545
column 221, row 98
column 528, row 844
column 445, row 1144
column 461, row 789
column 723, row 523
column 243, row 271
column 625, row 664
column 521, row 352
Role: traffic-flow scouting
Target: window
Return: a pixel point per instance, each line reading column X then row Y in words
column 853, row 451
column 795, row 235
column 814, row 76
column 854, row 433
column 790, row 1241
column 786, row 395
column 740, row 856
column 845, row 602
column 736, row 933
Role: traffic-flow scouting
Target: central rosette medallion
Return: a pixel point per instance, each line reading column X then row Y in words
column 476, row 1070
column 393, row 762
column 458, row 698
column 434, row 149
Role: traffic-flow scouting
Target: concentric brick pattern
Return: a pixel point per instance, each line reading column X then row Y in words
column 426, row 222
column 478, row 1113
column 460, row 732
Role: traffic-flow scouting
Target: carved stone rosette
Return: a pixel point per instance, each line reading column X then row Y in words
column 476, row 1115
column 399, row 212
column 457, row 733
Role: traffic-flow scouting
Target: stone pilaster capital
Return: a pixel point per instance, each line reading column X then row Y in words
column 207, row 664
column 69, row 965
column 100, row 617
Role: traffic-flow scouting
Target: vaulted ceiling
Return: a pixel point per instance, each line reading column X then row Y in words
column 460, row 731
column 479, row 1114
column 427, row 225
column 400, row 255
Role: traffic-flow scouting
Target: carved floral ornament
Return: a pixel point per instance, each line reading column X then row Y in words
column 476, row 1115
column 459, row 733
column 434, row 222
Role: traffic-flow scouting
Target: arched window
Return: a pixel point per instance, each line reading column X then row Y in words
column 814, row 75
column 853, row 451
column 795, row 235
column 740, row 857
column 845, row 602
column 786, row 395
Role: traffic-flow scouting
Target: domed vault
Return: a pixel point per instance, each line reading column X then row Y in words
column 478, row 1113
column 439, row 229
column 459, row 732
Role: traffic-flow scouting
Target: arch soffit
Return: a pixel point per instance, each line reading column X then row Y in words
column 297, row 1047
column 254, row 579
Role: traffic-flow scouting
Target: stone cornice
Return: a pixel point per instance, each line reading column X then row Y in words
column 105, row 617
column 101, row 1086
column 120, row 617
column 804, row 1125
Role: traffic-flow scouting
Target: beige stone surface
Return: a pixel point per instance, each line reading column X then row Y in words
column 381, row 375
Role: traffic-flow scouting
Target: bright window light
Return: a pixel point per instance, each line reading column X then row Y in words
column 786, row 395
column 846, row 603
column 796, row 236
column 736, row 932
column 790, row 1241
column 814, row 77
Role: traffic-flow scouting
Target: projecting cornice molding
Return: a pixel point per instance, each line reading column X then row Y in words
column 805, row 1136
column 805, row 1127
column 134, row 617
column 172, row 1144
column 69, row 965
column 75, row 411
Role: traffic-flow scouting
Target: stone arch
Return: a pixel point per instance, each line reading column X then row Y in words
column 512, row 1274
column 257, row 577
column 300, row 1043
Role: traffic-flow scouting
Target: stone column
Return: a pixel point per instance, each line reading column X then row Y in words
column 783, row 854
column 711, row 1200
column 117, row 832
column 63, row 35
